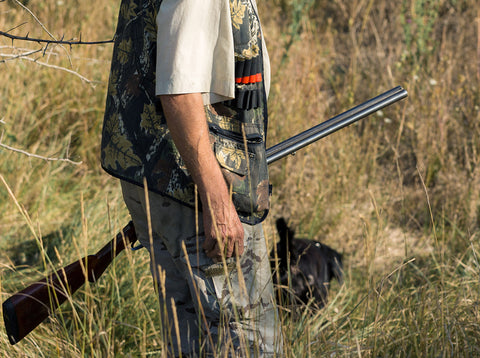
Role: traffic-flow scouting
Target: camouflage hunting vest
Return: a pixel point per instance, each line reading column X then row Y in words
column 136, row 143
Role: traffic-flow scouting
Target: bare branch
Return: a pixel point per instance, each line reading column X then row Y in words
column 35, row 17
column 38, row 156
column 60, row 68
column 25, row 56
column 22, row 55
column 16, row 27
column 60, row 42
column 43, row 27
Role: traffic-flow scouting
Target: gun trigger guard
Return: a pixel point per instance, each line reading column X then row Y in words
column 135, row 248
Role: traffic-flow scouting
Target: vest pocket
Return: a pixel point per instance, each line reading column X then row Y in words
column 233, row 159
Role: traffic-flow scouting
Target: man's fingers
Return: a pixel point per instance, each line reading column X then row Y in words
column 230, row 248
column 228, row 243
column 239, row 248
column 213, row 248
column 209, row 245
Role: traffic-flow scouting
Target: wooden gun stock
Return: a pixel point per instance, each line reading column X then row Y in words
column 26, row 309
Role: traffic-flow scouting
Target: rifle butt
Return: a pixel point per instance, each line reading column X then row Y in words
column 26, row 309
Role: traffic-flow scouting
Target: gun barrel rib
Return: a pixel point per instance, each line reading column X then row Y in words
column 334, row 124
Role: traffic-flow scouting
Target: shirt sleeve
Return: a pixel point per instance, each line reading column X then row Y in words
column 195, row 52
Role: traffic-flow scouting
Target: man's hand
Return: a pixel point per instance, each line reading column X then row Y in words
column 187, row 123
column 223, row 230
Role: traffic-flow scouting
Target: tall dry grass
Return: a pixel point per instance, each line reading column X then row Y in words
column 397, row 193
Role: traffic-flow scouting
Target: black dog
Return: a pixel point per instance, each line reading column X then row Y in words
column 306, row 266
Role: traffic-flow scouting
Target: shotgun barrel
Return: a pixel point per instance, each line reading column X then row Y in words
column 334, row 124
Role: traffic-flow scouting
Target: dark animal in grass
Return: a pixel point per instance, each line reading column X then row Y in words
column 305, row 268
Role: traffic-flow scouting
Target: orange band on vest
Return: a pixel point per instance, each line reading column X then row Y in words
column 249, row 79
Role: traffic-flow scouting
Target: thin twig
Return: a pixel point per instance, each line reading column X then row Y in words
column 42, row 26
column 59, row 68
column 58, row 42
column 35, row 17
column 12, row 57
column 25, row 56
column 39, row 156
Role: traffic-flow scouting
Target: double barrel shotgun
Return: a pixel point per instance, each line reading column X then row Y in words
column 29, row 307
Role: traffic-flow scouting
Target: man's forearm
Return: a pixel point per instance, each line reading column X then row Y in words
column 188, row 126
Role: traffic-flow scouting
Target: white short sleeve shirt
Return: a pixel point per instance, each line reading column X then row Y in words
column 195, row 52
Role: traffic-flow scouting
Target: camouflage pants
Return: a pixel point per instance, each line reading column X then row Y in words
column 216, row 312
